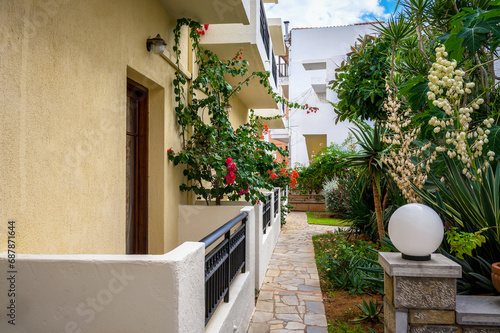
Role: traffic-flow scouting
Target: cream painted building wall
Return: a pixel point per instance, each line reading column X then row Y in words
column 64, row 66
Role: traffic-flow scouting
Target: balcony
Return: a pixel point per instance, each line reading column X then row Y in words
column 255, row 40
column 319, row 84
column 210, row 12
column 278, row 123
column 282, row 135
column 276, row 29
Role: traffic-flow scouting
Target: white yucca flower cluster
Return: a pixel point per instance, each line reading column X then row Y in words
column 404, row 172
column 448, row 91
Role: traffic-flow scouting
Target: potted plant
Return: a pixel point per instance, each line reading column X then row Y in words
column 495, row 275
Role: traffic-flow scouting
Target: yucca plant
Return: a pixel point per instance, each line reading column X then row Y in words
column 470, row 206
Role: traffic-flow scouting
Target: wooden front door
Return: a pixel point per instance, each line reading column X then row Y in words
column 137, row 169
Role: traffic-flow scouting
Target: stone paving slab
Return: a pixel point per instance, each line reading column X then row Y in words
column 290, row 299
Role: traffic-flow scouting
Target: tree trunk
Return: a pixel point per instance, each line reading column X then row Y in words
column 378, row 210
column 217, row 200
column 386, row 200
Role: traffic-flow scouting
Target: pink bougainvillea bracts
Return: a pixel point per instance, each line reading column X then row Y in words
column 231, row 171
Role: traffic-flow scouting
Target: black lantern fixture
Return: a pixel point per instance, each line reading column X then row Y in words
column 156, row 45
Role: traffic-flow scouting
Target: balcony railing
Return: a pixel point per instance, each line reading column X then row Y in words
column 266, row 213
column 264, row 29
column 283, row 67
column 283, row 191
column 224, row 262
column 276, row 194
column 274, row 70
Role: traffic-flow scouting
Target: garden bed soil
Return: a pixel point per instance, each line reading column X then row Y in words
column 340, row 308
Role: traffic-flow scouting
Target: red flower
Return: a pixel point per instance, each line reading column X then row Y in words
column 203, row 32
column 229, row 160
column 262, row 137
column 206, row 26
column 240, row 58
column 170, row 151
column 274, row 176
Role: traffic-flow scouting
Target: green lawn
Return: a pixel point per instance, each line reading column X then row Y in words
column 326, row 219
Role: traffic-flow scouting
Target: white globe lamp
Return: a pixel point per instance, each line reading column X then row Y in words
column 416, row 230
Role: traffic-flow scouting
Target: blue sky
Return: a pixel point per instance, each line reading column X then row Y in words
column 321, row 13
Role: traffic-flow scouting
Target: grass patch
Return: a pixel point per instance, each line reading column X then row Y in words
column 326, row 219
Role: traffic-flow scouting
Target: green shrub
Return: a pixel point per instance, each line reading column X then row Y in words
column 333, row 196
column 327, row 164
column 349, row 265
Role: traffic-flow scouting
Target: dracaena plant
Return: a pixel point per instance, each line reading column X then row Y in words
column 220, row 161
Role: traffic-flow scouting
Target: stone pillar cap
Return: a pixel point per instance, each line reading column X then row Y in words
column 438, row 266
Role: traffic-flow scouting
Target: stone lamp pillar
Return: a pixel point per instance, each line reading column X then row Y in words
column 420, row 296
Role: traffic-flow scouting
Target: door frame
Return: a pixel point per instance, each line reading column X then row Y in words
column 140, row 223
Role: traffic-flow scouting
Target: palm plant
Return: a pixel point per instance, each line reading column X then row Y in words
column 369, row 160
column 395, row 31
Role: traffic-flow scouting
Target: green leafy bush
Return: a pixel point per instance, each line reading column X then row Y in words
column 333, row 196
column 349, row 265
column 327, row 164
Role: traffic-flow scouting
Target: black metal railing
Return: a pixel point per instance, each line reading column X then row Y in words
column 274, row 70
column 224, row 262
column 264, row 29
column 276, row 194
column 266, row 213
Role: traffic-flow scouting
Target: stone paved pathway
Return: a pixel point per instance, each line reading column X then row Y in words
column 290, row 299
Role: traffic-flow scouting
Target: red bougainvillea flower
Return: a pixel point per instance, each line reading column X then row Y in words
column 262, row 137
column 245, row 191
column 206, row 26
column 170, row 151
column 231, row 171
column 274, row 176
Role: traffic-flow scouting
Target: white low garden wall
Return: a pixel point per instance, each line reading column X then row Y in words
column 107, row 293
column 264, row 243
column 198, row 221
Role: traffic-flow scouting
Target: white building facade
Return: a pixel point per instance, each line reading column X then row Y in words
column 314, row 55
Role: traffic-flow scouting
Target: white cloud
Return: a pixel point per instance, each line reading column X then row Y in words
column 322, row 13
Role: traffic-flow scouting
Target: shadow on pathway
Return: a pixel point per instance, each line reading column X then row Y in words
column 290, row 299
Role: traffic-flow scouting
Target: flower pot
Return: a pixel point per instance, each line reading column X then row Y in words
column 495, row 275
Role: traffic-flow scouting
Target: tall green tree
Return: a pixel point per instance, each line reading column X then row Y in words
column 369, row 160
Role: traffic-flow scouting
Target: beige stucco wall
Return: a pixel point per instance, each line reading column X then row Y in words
column 239, row 114
column 63, row 71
